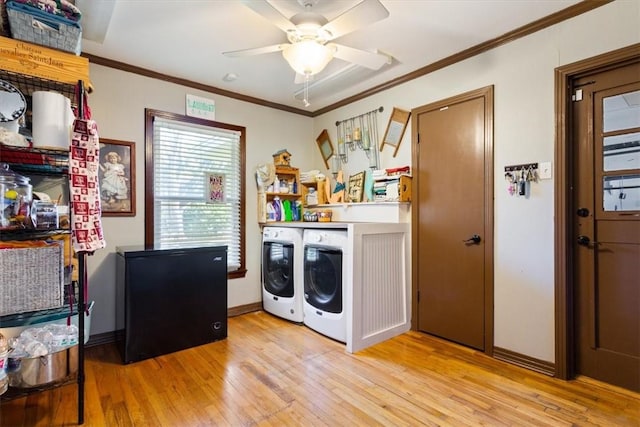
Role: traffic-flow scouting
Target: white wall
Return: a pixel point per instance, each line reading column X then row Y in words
column 522, row 73
column 118, row 104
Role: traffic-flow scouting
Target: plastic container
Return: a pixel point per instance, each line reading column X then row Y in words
column 16, row 195
column 44, row 215
column 12, row 329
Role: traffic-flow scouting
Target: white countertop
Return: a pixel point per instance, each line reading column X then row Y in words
column 308, row 224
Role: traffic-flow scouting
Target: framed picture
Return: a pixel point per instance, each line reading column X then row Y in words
column 356, row 186
column 117, row 177
column 395, row 129
column 214, row 188
column 325, row 146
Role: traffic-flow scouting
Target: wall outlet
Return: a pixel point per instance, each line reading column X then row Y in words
column 544, row 170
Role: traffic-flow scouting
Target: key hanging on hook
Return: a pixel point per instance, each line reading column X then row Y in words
column 522, row 183
column 508, row 176
column 531, row 176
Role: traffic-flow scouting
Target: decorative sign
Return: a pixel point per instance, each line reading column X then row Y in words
column 356, row 185
column 39, row 61
column 214, row 188
column 201, row 107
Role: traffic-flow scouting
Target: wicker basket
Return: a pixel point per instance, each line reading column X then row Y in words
column 31, row 24
column 32, row 278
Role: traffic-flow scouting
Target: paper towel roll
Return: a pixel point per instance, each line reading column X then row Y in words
column 52, row 119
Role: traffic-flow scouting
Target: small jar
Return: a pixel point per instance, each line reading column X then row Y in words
column 15, row 198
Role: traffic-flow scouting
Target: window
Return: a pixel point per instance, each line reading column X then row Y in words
column 182, row 153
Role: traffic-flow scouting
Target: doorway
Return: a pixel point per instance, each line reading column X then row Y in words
column 452, row 219
column 598, row 207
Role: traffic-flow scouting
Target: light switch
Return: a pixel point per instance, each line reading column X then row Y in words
column 544, row 170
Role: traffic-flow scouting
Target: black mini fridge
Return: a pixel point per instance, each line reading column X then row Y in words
column 170, row 299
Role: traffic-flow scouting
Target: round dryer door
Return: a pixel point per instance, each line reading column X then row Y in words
column 323, row 278
column 277, row 268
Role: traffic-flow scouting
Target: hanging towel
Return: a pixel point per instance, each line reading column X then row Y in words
column 86, row 226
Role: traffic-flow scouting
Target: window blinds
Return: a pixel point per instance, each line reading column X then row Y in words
column 184, row 155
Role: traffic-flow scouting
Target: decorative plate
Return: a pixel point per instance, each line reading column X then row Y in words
column 12, row 102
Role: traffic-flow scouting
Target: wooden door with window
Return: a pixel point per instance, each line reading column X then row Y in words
column 606, row 225
column 453, row 218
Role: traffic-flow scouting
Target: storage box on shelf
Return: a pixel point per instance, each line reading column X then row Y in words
column 32, row 277
column 33, row 24
column 392, row 188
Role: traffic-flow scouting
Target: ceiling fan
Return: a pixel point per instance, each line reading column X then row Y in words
column 310, row 34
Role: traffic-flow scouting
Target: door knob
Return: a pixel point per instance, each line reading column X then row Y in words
column 583, row 240
column 583, row 212
column 473, row 240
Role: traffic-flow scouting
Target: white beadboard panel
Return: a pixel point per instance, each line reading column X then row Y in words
column 383, row 298
column 379, row 294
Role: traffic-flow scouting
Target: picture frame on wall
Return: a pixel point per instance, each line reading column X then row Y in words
column 215, row 188
column 356, row 187
column 117, row 177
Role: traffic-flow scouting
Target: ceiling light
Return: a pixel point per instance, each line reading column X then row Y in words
column 307, row 57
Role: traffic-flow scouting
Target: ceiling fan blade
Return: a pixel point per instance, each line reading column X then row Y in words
column 364, row 13
column 255, row 51
column 270, row 13
column 366, row 59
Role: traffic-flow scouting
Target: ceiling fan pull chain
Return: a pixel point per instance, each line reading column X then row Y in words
column 305, row 100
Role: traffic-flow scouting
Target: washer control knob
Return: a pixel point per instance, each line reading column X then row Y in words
column 317, row 238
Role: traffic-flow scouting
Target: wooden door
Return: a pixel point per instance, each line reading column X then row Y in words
column 606, row 225
column 453, row 217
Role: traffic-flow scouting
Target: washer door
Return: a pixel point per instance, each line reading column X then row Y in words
column 277, row 268
column 323, row 278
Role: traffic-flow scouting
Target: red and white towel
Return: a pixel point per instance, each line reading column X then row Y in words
column 86, row 225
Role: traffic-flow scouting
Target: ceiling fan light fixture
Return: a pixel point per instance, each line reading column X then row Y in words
column 308, row 57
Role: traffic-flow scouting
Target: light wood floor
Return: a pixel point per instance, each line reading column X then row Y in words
column 270, row 372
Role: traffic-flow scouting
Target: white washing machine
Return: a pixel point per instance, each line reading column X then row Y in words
column 282, row 274
column 326, row 276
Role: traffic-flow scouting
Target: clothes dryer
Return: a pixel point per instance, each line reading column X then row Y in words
column 282, row 274
column 326, row 276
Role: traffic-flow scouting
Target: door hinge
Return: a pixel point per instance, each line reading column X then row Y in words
column 577, row 95
column 418, row 139
column 418, row 296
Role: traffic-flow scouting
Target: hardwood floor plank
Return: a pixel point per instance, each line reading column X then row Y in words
column 270, row 372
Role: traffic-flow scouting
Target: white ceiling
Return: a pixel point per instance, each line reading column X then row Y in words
column 186, row 38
